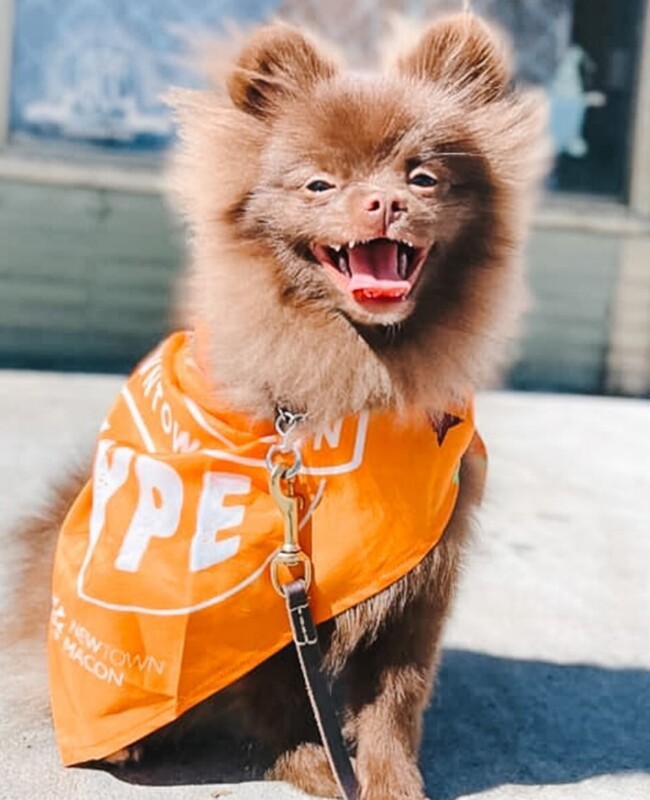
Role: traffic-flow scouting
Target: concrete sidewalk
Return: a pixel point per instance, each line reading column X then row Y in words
column 545, row 686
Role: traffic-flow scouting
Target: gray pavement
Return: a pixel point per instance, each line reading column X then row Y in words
column 545, row 686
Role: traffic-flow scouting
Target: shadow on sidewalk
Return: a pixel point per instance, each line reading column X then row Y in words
column 497, row 720
column 494, row 721
column 222, row 760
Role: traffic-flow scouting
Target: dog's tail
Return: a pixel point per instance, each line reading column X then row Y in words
column 36, row 536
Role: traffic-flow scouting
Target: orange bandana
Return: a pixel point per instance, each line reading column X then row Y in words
column 162, row 594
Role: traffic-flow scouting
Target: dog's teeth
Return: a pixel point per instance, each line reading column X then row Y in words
column 402, row 264
column 336, row 247
column 352, row 244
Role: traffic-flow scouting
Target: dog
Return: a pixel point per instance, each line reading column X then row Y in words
column 355, row 255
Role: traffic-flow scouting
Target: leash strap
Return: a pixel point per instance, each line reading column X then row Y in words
column 311, row 661
column 284, row 462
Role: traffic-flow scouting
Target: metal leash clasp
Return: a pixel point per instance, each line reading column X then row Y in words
column 290, row 554
column 282, row 475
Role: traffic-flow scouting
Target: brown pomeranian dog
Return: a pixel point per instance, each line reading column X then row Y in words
column 355, row 249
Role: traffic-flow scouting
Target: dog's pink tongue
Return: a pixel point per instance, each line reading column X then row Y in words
column 374, row 272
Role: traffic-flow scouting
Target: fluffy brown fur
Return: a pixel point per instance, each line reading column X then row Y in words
column 282, row 329
column 291, row 115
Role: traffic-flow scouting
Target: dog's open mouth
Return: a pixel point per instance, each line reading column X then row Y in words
column 381, row 270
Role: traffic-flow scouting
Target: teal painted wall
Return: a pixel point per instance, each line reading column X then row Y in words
column 572, row 278
column 86, row 277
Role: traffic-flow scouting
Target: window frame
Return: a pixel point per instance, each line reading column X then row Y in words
column 20, row 162
column 639, row 173
column 6, row 44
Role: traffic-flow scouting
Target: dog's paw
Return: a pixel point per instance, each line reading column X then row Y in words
column 388, row 779
column 394, row 792
column 126, row 757
column 307, row 768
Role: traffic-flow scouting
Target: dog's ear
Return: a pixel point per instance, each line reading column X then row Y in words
column 462, row 54
column 277, row 62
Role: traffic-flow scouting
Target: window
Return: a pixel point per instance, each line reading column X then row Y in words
column 583, row 52
column 94, row 70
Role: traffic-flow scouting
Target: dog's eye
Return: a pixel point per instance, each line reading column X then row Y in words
column 319, row 185
column 422, row 179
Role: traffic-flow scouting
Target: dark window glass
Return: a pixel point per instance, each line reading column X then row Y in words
column 583, row 52
column 606, row 35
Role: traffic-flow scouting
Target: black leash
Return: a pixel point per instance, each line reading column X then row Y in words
column 311, row 663
column 284, row 462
